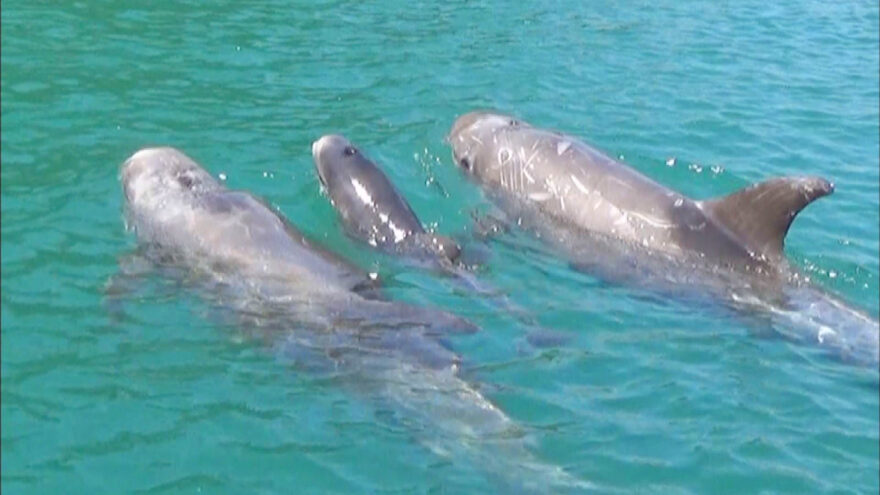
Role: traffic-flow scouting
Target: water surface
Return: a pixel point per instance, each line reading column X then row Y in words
column 163, row 397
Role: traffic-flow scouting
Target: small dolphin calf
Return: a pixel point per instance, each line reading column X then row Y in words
column 370, row 206
column 373, row 211
column 615, row 222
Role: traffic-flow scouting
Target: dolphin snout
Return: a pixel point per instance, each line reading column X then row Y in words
column 466, row 121
column 326, row 141
column 135, row 162
column 322, row 162
column 133, row 167
column 318, row 145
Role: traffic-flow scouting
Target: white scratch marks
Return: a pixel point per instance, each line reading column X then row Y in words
column 562, row 147
column 580, row 185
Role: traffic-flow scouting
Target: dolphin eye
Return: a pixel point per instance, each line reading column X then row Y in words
column 465, row 164
column 185, row 181
column 349, row 151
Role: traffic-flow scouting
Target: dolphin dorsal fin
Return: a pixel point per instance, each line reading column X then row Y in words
column 759, row 215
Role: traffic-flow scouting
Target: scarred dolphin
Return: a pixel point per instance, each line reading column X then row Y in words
column 616, row 222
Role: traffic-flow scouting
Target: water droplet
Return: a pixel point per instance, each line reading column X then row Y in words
column 222, row 176
column 670, row 162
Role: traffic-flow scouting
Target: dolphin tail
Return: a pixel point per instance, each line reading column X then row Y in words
column 760, row 214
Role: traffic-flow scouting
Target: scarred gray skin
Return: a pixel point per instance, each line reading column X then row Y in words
column 302, row 299
column 617, row 223
column 574, row 182
column 370, row 206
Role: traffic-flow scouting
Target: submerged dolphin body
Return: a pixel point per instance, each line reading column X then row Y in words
column 298, row 296
column 612, row 221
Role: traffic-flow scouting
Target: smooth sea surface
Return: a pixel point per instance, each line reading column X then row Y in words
column 159, row 395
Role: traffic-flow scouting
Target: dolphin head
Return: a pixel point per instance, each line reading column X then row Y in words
column 336, row 160
column 154, row 173
column 160, row 186
column 474, row 134
column 363, row 196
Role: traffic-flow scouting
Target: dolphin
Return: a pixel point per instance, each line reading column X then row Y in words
column 370, row 207
column 296, row 295
column 613, row 221
column 373, row 211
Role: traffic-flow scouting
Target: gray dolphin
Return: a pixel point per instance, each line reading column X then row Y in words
column 574, row 182
column 373, row 211
column 369, row 205
column 618, row 223
column 304, row 297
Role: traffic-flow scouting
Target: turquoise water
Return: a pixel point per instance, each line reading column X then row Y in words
column 165, row 398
